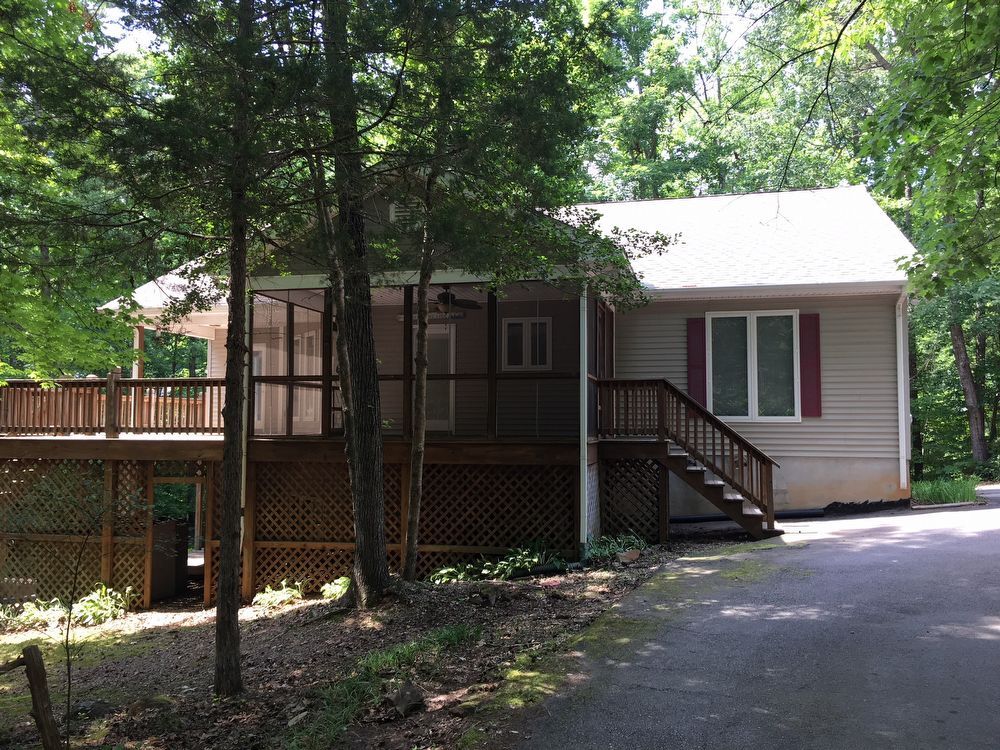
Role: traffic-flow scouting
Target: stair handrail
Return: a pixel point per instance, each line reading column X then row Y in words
column 757, row 488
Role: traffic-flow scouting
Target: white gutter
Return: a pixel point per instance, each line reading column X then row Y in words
column 903, row 391
column 766, row 291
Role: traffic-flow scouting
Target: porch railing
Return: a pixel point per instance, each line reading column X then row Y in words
column 112, row 405
column 659, row 410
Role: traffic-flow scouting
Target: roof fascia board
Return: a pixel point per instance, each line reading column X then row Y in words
column 387, row 279
column 894, row 286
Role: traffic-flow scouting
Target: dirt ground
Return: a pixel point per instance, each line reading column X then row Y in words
column 145, row 681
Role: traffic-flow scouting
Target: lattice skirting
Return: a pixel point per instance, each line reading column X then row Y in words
column 57, row 569
column 303, row 522
column 629, row 497
column 67, row 524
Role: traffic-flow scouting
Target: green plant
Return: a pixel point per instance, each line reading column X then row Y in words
column 345, row 699
column 522, row 559
column 37, row 613
column 939, row 491
column 103, row 604
column 335, row 588
column 606, row 547
column 459, row 572
column 285, row 593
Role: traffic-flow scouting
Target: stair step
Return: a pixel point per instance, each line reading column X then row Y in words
column 733, row 497
column 696, row 469
column 714, row 483
column 754, row 511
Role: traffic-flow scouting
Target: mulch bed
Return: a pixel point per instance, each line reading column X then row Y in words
column 158, row 695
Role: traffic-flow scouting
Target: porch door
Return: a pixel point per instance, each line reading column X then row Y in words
column 257, row 368
column 440, row 393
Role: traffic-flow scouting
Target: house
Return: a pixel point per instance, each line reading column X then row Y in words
column 767, row 373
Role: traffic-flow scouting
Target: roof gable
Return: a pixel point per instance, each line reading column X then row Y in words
column 827, row 236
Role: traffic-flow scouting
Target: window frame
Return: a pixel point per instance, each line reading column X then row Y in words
column 526, row 365
column 753, row 392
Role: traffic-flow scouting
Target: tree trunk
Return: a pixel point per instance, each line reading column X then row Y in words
column 419, row 409
column 916, row 427
column 228, row 678
column 977, row 428
column 363, row 427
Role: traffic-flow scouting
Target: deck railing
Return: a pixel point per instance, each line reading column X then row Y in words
column 658, row 409
column 112, row 405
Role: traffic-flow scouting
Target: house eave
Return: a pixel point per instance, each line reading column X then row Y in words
column 774, row 291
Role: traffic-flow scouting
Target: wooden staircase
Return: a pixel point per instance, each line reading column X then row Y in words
column 656, row 420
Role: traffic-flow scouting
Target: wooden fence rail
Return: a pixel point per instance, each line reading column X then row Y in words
column 659, row 410
column 112, row 405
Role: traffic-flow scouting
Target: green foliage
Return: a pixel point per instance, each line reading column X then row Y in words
column 97, row 607
column 518, row 561
column 274, row 597
column 941, row 491
column 606, row 547
column 343, row 701
column 103, row 604
column 939, row 409
column 36, row 613
column 173, row 502
column 335, row 588
column 171, row 355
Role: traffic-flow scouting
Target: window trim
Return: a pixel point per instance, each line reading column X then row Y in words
column 526, row 345
column 752, row 384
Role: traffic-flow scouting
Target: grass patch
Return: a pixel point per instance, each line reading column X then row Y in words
column 942, row 491
column 344, row 700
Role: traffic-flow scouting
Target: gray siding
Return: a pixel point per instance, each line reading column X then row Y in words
column 858, row 367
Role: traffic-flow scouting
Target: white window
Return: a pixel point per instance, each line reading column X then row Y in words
column 527, row 343
column 753, row 365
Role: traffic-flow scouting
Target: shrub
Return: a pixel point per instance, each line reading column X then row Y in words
column 336, row 588
column 939, row 491
column 606, row 547
column 99, row 606
column 286, row 593
column 520, row 560
column 103, row 604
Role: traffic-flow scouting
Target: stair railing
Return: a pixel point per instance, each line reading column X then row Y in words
column 657, row 409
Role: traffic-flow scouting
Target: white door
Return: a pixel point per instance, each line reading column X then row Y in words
column 440, row 393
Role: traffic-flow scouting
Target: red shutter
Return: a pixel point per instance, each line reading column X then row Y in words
column 697, row 371
column 809, row 365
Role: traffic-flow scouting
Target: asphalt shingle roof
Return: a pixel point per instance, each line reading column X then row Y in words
column 825, row 236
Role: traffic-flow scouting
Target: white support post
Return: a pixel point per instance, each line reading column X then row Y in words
column 903, row 391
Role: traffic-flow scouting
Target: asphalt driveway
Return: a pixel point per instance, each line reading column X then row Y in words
column 862, row 632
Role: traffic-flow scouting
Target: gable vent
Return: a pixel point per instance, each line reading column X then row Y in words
column 406, row 212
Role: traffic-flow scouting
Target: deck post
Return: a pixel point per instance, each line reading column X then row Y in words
column 663, row 503
column 139, row 344
column 112, row 403
column 408, row 360
column 147, row 579
column 249, row 534
column 209, row 531
column 108, row 521
column 491, row 365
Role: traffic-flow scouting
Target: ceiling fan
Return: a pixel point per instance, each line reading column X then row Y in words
column 446, row 301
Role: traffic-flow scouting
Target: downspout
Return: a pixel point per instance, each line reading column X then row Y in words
column 903, row 391
column 584, row 392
